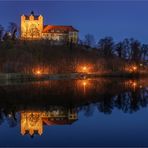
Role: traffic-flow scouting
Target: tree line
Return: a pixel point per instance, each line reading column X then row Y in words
column 130, row 49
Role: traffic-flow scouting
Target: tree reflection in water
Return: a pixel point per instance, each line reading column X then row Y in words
column 52, row 101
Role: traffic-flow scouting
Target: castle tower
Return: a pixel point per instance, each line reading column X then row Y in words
column 31, row 26
column 31, row 122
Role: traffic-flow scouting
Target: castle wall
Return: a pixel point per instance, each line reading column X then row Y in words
column 55, row 36
column 73, row 37
column 31, row 28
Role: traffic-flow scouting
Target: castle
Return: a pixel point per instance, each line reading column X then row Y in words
column 33, row 28
column 32, row 122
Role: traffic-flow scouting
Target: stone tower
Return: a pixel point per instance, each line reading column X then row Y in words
column 31, row 26
column 31, row 122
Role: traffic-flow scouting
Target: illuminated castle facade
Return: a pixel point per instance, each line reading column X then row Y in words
column 33, row 28
column 32, row 122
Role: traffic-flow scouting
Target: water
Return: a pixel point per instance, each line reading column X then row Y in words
column 91, row 112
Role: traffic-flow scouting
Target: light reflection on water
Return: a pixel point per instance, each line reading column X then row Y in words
column 76, row 109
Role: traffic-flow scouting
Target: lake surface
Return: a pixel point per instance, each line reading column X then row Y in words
column 90, row 112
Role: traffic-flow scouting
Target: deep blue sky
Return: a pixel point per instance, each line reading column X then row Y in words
column 119, row 19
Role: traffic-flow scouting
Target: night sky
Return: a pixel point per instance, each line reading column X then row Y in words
column 119, row 19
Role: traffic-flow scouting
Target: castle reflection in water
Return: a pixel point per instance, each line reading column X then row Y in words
column 34, row 105
column 32, row 122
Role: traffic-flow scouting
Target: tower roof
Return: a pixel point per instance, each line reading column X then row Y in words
column 32, row 13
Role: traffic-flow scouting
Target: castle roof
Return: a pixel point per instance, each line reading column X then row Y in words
column 58, row 122
column 63, row 29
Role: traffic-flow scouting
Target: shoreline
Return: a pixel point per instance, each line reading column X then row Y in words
column 35, row 77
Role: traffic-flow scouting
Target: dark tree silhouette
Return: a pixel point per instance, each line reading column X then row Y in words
column 127, row 48
column 89, row 40
column 119, row 48
column 106, row 46
column 12, row 28
column 135, row 51
column 144, row 52
column 1, row 32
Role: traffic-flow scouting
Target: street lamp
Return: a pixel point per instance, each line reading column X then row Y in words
column 84, row 69
column 38, row 72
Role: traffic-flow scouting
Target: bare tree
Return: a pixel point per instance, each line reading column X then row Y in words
column 119, row 48
column 127, row 48
column 135, row 50
column 106, row 46
column 89, row 40
column 12, row 28
column 1, row 32
column 144, row 50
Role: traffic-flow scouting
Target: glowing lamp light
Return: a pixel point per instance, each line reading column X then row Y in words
column 38, row 72
column 84, row 83
column 84, row 68
column 134, row 84
column 134, row 68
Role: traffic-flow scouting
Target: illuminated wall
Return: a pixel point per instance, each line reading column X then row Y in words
column 31, row 122
column 73, row 36
column 31, row 27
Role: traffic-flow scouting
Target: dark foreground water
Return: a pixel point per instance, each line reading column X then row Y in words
column 92, row 112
